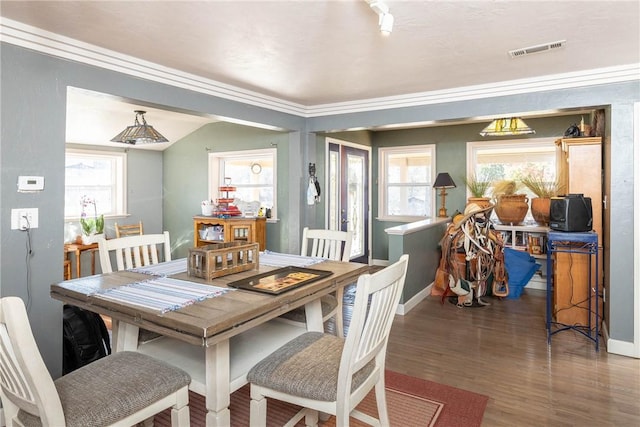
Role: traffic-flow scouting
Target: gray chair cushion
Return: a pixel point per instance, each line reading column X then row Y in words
column 306, row 366
column 112, row 388
column 327, row 302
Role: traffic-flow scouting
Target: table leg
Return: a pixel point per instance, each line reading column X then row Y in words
column 78, row 268
column 93, row 262
column 125, row 336
column 313, row 312
column 218, row 392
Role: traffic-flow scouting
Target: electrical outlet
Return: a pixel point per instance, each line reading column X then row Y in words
column 24, row 218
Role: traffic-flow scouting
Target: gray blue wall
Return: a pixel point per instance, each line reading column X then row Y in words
column 33, row 101
column 186, row 178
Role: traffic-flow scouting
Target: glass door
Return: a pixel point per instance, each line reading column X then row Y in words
column 348, row 195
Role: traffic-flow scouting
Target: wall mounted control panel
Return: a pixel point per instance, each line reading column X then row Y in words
column 30, row 183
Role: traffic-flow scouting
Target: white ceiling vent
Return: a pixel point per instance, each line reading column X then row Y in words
column 536, row 49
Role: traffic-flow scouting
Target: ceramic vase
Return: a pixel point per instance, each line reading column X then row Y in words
column 540, row 208
column 511, row 209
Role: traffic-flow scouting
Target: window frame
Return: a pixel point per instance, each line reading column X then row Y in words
column 216, row 175
column 119, row 187
column 473, row 146
column 383, row 155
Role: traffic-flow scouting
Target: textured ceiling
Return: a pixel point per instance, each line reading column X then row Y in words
column 316, row 52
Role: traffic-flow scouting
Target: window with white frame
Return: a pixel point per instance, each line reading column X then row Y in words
column 513, row 160
column 406, row 176
column 252, row 172
column 97, row 175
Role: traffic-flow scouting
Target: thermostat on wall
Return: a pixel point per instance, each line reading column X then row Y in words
column 30, row 183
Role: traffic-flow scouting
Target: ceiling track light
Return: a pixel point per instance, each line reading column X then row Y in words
column 385, row 18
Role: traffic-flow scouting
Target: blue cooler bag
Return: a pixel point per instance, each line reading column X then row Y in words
column 520, row 266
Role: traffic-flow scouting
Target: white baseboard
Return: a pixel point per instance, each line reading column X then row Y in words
column 380, row 262
column 407, row 306
column 623, row 348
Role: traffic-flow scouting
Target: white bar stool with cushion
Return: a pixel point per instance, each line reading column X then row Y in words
column 329, row 374
column 329, row 244
column 131, row 252
column 121, row 389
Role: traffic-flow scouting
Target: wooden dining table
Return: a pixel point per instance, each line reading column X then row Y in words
column 216, row 340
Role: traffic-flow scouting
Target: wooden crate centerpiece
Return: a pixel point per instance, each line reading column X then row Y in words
column 220, row 259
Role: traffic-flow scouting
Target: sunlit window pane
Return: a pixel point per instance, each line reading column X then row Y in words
column 99, row 176
column 253, row 174
column 406, row 174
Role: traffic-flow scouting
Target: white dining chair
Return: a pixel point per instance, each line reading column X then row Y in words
column 329, row 244
column 121, row 389
column 325, row 373
column 134, row 251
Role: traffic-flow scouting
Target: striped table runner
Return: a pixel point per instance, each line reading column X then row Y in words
column 163, row 294
column 275, row 259
column 167, row 268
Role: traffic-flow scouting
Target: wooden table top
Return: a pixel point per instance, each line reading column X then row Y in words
column 213, row 319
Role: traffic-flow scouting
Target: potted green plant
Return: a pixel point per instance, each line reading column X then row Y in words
column 91, row 227
column 478, row 187
column 543, row 190
column 511, row 206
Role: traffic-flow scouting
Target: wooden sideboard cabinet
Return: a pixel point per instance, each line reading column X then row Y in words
column 251, row 230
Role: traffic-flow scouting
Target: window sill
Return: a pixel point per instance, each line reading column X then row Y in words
column 399, row 218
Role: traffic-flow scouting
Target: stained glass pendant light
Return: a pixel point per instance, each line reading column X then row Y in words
column 140, row 132
column 507, row 127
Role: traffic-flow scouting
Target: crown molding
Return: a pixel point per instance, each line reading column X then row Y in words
column 29, row 37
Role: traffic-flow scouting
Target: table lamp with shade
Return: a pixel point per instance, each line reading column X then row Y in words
column 442, row 182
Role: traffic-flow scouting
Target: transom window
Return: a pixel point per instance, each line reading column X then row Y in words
column 98, row 175
column 252, row 172
column 406, row 176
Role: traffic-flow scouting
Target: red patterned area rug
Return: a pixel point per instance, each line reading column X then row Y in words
column 410, row 401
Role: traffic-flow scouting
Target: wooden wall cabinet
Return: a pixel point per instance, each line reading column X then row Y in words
column 250, row 230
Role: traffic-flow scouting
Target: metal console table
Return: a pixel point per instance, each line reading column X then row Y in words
column 584, row 243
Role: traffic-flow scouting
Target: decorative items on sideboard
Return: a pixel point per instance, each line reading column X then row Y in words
column 510, row 207
column 544, row 190
column 478, row 186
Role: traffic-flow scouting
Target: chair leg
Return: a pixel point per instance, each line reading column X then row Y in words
column 381, row 401
column 180, row 417
column 180, row 411
column 339, row 321
column 258, row 411
column 311, row 418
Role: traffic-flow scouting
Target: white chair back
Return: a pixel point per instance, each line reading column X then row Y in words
column 377, row 296
column 303, row 371
column 25, row 381
column 129, row 393
column 330, row 244
column 134, row 251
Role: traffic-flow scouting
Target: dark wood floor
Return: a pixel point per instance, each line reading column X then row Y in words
column 501, row 351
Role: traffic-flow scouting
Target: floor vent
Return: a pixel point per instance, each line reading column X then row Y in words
column 536, row 49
